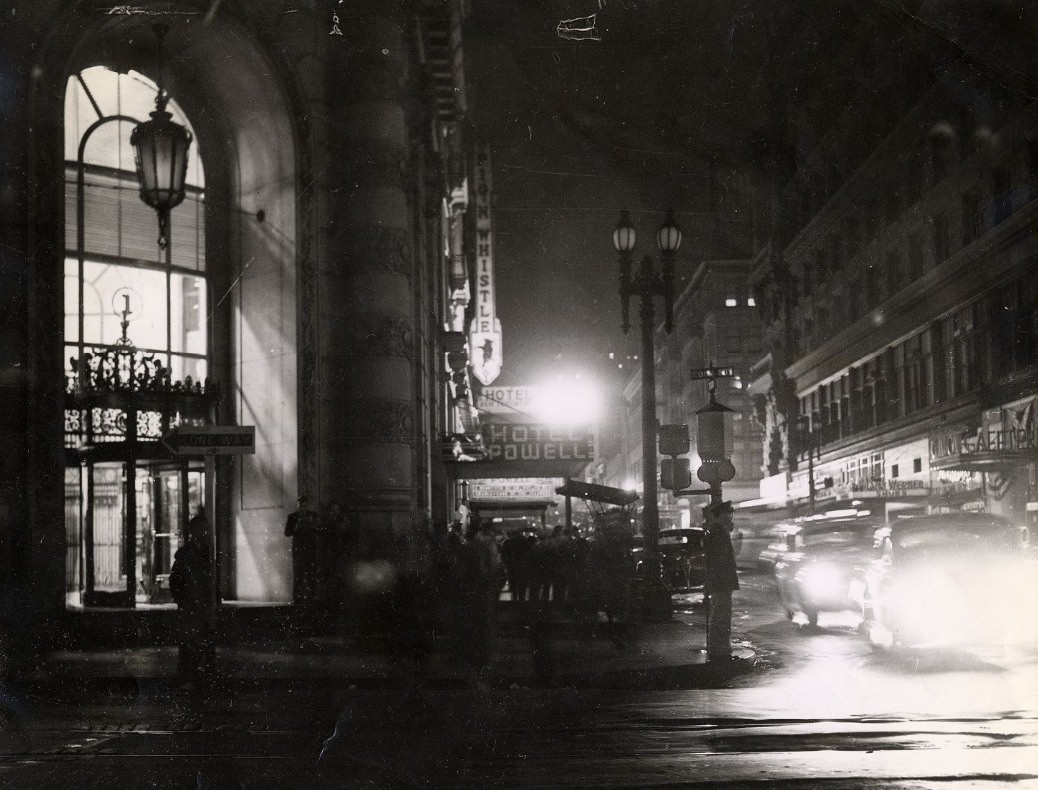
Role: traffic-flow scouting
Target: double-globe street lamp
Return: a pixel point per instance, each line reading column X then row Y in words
column 649, row 283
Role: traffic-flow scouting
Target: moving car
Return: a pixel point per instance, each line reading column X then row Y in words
column 953, row 579
column 750, row 539
column 778, row 542
column 821, row 561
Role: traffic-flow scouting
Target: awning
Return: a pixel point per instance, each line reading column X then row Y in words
column 596, row 493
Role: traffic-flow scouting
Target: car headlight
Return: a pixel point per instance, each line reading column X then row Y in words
column 822, row 581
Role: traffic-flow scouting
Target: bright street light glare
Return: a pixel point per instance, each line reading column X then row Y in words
column 568, row 401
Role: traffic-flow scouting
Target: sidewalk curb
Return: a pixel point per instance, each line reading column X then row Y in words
column 659, row 677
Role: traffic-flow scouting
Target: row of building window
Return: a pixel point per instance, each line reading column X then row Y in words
column 1011, row 185
column 982, row 342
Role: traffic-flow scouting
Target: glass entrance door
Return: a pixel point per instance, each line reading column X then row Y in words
column 176, row 494
column 134, row 519
column 108, row 555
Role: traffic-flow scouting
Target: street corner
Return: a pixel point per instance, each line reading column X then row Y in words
column 741, row 663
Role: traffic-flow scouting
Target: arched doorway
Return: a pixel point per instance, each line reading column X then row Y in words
column 126, row 495
column 224, row 307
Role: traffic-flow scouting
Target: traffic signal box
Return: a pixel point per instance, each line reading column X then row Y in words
column 675, row 473
column 673, row 439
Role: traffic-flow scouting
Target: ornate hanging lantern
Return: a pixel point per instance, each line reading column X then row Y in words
column 160, row 149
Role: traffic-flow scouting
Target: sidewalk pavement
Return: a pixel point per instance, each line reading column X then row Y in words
column 582, row 654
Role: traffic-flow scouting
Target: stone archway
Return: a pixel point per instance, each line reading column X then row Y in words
column 250, row 126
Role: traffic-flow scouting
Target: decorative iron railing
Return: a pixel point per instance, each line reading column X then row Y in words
column 121, row 394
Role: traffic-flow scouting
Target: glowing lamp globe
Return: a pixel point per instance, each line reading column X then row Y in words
column 668, row 237
column 160, row 149
column 624, row 237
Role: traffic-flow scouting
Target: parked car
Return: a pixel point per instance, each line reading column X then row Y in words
column 682, row 558
column 950, row 579
column 821, row 560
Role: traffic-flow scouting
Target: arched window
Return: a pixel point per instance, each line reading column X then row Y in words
column 136, row 350
column 123, row 267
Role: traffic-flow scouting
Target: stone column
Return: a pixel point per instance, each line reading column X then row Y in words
column 365, row 335
column 32, row 529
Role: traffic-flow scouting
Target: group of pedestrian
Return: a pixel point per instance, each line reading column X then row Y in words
column 445, row 585
column 317, row 552
column 564, row 566
column 448, row 581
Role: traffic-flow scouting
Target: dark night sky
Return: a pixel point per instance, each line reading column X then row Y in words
column 581, row 129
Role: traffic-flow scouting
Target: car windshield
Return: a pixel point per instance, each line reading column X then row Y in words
column 837, row 537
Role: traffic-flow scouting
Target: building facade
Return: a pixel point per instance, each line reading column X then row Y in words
column 304, row 291
column 901, row 318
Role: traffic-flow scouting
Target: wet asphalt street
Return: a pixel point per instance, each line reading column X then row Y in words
column 820, row 709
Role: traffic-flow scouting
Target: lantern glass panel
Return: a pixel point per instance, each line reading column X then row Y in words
column 668, row 237
column 161, row 153
column 714, row 439
column 624, row 237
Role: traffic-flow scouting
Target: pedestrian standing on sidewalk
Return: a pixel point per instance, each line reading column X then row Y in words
column 722, row 578
column 304, row 527
column 414, row 604
column 191, row 585
column 482, row 576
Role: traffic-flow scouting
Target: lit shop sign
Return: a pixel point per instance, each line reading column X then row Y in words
column 1015, row 438
column 990, row 441
column 517, row 489
column 485, row 329
column 537, row 442
column 506, row 400
column 891, row 488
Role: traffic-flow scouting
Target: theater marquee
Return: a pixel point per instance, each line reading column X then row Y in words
column 1009, row 441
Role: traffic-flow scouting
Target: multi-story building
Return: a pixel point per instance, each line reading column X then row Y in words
column 715, row 325
column 901, row 317
column 303, row 289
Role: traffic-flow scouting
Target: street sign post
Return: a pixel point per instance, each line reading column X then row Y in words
column 211, row 440
column 712, row 373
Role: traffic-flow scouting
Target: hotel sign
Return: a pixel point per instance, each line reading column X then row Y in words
column 537, row 442
column 485, row 329
column 506, row 400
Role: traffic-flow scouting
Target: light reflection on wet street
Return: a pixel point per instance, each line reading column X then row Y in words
column 829, row 671
column 821, row 710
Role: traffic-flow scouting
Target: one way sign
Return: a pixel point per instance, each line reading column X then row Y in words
column 211, row 440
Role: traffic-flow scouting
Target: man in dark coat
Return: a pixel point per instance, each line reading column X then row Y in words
column 304, row 527
column 191, row 584
column 721, row 580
